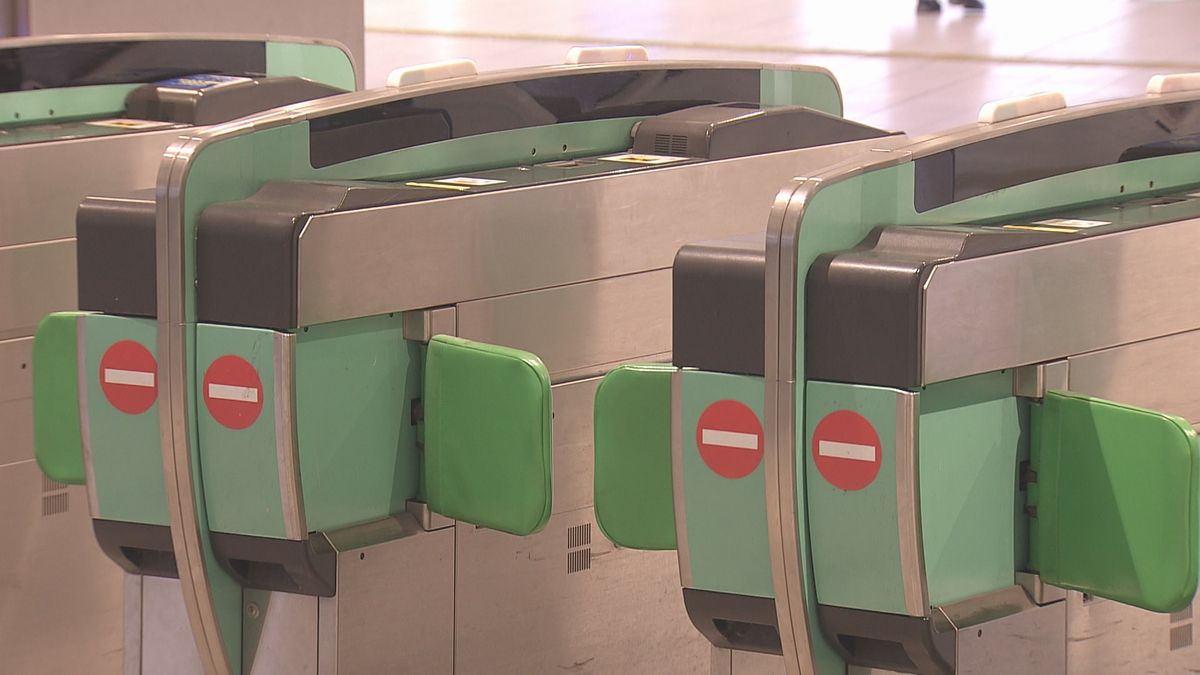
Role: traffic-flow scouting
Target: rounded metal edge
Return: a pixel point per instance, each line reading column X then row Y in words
column 179, row 481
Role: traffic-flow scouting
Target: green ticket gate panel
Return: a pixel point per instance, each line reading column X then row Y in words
column 1116, row 501
column 487, row 435
column 634, row 496
column 57, row 441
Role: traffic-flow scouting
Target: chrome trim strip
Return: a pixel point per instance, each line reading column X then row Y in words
column 287, row 457
column 681, row 538
column 85, row 424
column 908, row 505
column 779, row 456
column 174, row 412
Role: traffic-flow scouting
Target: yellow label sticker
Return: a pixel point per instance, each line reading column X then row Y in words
column 1077, row 223
column 121, row 123
column 1041, row 228
column 469, row 181
column 649, row 160
column 440, row 186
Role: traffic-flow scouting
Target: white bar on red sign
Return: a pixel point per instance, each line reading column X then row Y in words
column 229, row 392
column 133, row 378
column 855, row 451
column 729, row 439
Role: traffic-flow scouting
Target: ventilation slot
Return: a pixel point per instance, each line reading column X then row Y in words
column 670, row 144
column 579, row 548
column 579, row 561
column 1181, row 636
column 55, row 504
column 579, row 535
column 49, row 485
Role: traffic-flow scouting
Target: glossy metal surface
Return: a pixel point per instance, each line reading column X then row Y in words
column 1030, row 642
column 1109, row 638
column 178, row 470
column 1039, row 591
column 364, row 630
column 54, row 580
column 41, row 184
column 47, row 269
column 287, row 449
column 1033, row 381
column 987, row 314
column 279, row 633
column 166, row 645
column 421, row 325
column 568, row 600
column 16, row 402
column 85, row 424
column 393, row 258
column 908, row 505
column 1158, row 374
column 579, row 330
column 779, row 456
column 677, row 482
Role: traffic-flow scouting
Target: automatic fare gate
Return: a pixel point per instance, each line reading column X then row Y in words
column 914, row 371
column 79, row 115
column 317, row 376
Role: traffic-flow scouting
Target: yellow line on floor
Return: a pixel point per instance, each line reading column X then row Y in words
column 785, row 49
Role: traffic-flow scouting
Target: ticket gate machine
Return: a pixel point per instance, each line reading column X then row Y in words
column 914, row 370
column 366, row 359
column 80, row 115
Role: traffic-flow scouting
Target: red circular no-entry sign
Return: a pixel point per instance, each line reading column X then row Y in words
column 129, row 377
column 730, row 439
column 846, row 450
column 233, row 392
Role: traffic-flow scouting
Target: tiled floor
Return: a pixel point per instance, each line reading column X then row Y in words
column 898, row 70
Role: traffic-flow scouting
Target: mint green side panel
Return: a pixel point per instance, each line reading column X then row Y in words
column 57, row 440
column 634, row 496
column 726, row 523
column 797, row 87
column 239, row 466
column 972, row 437
column 488, row 442
column 126, row 450
column 1118, row 496
column 854, row 534
column 322, row 63
column 56, row 105
column 355, row 383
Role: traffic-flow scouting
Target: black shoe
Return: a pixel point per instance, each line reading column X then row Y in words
column 969, row 4
column 930, row 6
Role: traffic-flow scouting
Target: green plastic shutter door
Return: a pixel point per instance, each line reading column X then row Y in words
column 1117, row 499
column 633, row 487
column 57, row 442
column 487, row 435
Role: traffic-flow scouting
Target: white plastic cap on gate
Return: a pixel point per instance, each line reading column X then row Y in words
column 615, row 54
column 1012, row 108
column 1170, row 84
column 431, row 72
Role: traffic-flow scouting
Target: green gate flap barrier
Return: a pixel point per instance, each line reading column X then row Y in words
column 487, row 435
column 634, row 496
column 1116, row 499
column 57, row 441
